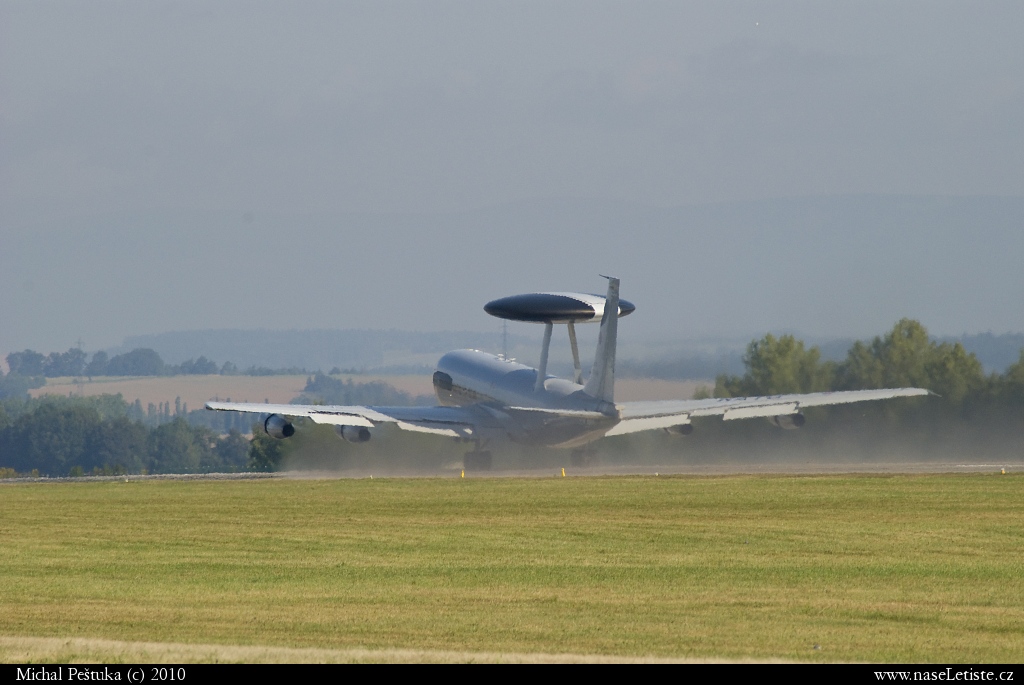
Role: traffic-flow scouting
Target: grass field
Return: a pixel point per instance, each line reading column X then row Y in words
column 876, row 568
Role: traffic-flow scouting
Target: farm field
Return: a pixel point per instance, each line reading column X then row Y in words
column 809, row 568
column 196, row 390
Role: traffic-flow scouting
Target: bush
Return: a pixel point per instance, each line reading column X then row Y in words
column 265, row 453
column 139, row 362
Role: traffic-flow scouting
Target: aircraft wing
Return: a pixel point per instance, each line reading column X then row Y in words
column 458, row 422
column 641, row 416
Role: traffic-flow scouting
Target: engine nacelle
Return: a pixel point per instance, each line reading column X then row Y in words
column 680, row 429
column 353, row 433
column 789, row 421
column 278, row 427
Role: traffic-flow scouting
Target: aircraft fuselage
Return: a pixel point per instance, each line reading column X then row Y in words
column 485, row 396
column 507, row 390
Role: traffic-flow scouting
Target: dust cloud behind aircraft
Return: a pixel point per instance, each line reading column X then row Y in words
column 486, row 397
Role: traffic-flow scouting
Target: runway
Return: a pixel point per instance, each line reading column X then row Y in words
column 601, row 470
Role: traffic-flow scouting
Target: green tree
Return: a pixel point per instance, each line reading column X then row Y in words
column 233, row 451
column 51, row 438
column 118, row 442
column 907, row 357
column 16, row 386
column 897, row 360
column 1011, row 384
column 70, row 363
column 139, row 362
column 201, row 366
column 954, row 373
column 321, row 387
column 778, row 366
column 27, row 363
column 98, row 365
column 176, row 447
column 265, row 453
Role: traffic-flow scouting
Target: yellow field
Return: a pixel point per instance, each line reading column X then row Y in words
column 195, row 390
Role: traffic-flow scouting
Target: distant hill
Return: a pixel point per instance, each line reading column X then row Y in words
column 826, row 266
column 414, row 352
column 694, row 359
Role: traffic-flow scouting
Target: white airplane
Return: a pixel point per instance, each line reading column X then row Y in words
column 485, row 397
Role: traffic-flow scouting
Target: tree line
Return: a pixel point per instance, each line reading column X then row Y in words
column 323, row 389
column 971, row 413
column 75, row 362
column 73, row 436
column 904, row 357
column 29, row 369
column 62, row 436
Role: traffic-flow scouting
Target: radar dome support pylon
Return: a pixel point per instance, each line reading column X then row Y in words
column 542, row 369
column 552, row 308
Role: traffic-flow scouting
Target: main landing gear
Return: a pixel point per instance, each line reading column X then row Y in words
column 478, row 459
column 583, row 457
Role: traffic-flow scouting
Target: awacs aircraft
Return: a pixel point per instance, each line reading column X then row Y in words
column 484, row 397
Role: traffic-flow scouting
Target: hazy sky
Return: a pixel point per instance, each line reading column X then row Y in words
column 176, row 165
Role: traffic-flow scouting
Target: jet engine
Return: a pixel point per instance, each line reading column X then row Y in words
column 680, row 429
column 789, row 421
column 352, row 433
column 278, row 427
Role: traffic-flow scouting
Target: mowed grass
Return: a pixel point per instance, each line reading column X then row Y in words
column 894, row 568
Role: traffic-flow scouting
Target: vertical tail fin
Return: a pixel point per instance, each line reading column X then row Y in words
column 601, row 384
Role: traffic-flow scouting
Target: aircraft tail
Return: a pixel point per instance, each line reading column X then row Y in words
column 601, row 384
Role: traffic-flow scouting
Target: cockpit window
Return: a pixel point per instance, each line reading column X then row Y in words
column 442, row 380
